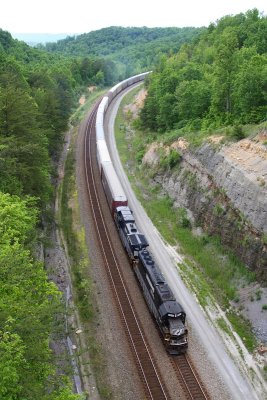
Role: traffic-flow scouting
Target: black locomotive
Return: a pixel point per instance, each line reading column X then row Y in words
column 132, row 240
column 168, row 313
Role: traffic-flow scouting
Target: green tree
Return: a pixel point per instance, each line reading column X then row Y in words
column 250, row 95
column 224, row 68
column 12, row 362
column 24, row 142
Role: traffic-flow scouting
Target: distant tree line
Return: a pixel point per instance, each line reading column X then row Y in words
column 133, row 49
column 220, row 79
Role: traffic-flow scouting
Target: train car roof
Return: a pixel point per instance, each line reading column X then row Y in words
column 114, row 184
column 173, row 308
column 99, row 117
column 104, row 103
column 126, row 214
column 103, row 151
column 136, row 239
column 100, row 134
column 113, row 89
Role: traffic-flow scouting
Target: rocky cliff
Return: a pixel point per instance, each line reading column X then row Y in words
column 224, row 190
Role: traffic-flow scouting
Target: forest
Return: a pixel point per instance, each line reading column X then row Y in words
column 202, row 78
column 218, row 80
column 38, row 93
column 134, row 50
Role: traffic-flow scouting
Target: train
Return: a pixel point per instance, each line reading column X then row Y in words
column 168, row 313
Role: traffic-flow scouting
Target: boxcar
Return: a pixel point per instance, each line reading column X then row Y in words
column 114, row 192
column 102, row 154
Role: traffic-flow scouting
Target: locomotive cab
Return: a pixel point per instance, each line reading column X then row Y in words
column 175, row 336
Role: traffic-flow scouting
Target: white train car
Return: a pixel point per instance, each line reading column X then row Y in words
column 111, row 184
column 99, row 125
column 112, row 187
column 102, row 154
column 100, row 134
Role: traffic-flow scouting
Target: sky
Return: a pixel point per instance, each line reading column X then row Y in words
column 80, row 16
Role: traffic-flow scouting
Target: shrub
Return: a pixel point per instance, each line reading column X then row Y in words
column 237, row 132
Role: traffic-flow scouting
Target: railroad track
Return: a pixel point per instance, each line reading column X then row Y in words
column 188, row 378
column 148, row 371
column 153, row 384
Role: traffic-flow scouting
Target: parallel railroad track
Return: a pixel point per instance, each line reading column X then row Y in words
column 188, row 378
column 153, row 385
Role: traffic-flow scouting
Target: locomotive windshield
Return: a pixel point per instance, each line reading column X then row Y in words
column 177, row 327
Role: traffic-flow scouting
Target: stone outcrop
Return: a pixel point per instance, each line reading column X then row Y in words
column 224, row 189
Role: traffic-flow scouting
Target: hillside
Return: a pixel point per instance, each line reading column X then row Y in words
column 137, row 49
column 212, row 96
column 219, row 80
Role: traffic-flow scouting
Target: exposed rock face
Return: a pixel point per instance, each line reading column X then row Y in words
column 226, row 193
column 241, row 170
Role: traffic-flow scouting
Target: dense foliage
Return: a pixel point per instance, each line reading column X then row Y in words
column 221, row 79
column 37, row 94
column 28, row 303
column 133, row 49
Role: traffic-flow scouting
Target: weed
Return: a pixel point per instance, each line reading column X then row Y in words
column 244, row 329
column 264, row 307
column 170, row 160
column 236, row 299
column 183, row 219
column 223, row 325
column 235, row 132
column 218, row 210
column 258, row 294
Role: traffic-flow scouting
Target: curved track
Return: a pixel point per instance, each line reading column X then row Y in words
column 153, row 385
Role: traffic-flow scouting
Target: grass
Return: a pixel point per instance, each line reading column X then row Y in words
column 210, row 270
column 244, row 329
column 81, row 111
column 223, row 326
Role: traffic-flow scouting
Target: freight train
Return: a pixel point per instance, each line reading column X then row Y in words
column 168, row 313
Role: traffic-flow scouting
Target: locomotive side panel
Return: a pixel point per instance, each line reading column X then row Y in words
column 146, row 291
column 169, row 314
